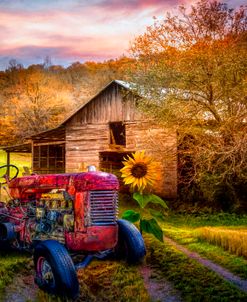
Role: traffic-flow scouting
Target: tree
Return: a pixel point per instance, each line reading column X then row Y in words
column 88, row 78
column 38, row 97
column 34, row 100
column 192, row 68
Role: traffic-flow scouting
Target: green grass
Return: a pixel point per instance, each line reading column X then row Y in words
column 194, row 281
column 18, row 159
column 221, row 219
column 184, row 230
column 107, row 281
column 10, row 264
column 188, row 238
column 116, row 281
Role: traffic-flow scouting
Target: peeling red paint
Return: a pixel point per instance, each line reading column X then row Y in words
column 83, row 236
column 95, row 239
column 22, row 187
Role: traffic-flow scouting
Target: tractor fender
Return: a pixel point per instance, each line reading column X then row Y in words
column 7, row 231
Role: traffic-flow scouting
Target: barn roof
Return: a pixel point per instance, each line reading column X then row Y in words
column 57, row 133
column 20, row 148
column 60, row 128
column 125, row 85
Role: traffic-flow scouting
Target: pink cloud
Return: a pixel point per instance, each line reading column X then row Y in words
column 75, row 29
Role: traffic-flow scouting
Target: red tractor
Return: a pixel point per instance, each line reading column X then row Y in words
column 64, row 217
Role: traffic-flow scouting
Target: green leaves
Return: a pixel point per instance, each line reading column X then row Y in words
column 151, row 226
column 147, row 225
column 144, row 199
column 156, row 214
column 131, row 216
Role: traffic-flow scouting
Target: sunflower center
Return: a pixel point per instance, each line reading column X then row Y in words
column 139, row 170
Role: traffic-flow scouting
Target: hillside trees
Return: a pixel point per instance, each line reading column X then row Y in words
column 193, row 70
column 88, row 78
column 39, row 97
column 34, row 100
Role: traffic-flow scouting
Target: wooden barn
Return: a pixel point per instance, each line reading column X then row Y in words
column 101, row 133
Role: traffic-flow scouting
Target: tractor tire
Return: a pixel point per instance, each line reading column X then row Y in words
column 54, row 269
column 130, row 246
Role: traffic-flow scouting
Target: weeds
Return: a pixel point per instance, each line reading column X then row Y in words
column 234, row 241
column 204, row 219
column 10, row 264
column 19, row 160
column 189, row 238
column 194, row 281
column 108, row 280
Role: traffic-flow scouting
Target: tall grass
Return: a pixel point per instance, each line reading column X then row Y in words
column 11, row 263
column 234, row 241
column 195, row 282
column 18, row 159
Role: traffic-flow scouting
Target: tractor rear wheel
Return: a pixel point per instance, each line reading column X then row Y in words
column 130, row 246
column 54, row 269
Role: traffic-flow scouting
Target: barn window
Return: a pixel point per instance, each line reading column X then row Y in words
column 49, row 159
column 117, row 134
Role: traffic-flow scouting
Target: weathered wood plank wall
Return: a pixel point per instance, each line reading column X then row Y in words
column 83, row 144
column 88, row 133
column 161, row 144
column 111, row 105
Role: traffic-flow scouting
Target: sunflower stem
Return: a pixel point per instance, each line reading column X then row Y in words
column 140, row 225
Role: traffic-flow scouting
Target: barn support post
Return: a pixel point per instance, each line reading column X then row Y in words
column 8, row 163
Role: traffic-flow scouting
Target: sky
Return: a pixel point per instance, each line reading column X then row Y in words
column 76, row 30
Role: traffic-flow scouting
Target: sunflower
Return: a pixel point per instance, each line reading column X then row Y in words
column 139, row 171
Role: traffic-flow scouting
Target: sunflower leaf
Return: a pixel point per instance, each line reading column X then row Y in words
column 131, row 216
column 156, row 199
column 144, row 199
column 157, row 214
column 151, row 226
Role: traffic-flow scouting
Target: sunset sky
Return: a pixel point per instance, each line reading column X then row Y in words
column 76, row 30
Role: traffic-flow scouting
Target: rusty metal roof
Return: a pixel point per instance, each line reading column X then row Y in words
column 53, row 134
column 58, row 133
column 123, row 84
column 20, row 148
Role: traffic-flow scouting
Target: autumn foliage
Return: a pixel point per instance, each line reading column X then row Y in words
column 192, row 68
column 41, row 96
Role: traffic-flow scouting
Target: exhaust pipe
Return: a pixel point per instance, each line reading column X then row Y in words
column 91, row 168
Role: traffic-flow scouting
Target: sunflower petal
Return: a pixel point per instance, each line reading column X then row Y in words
column 129, row 180
column 134, row 166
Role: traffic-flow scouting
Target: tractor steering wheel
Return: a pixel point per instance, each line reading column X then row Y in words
column 7, row 179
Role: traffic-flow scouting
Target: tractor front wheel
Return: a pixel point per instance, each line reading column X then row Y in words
column 130, row 246
column 54, row 269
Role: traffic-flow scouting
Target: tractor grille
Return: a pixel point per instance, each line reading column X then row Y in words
column 103, row 207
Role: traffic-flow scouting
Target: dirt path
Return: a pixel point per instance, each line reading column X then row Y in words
column 21, row 289
column 158, row 288
column 222, row 272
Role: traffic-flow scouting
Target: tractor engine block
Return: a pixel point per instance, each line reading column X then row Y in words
column 46, row 218
column 51, row 215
